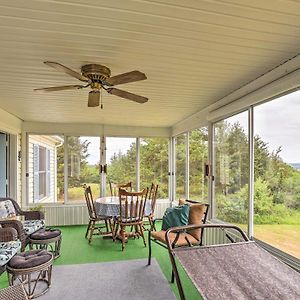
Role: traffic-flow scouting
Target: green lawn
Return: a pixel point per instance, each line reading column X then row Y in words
column 76, row 250
column 282, row 236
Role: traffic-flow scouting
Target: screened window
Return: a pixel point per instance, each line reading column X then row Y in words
column 277, row 173
column 232, row 169
column 198, row 158
column 83, row 166
column 154, row 164
column 121, row 159
column 180, row 151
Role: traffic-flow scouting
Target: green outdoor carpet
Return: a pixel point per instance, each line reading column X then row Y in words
column 76, row 250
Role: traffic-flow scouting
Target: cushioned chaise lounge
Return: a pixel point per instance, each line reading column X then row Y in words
column 237, row 271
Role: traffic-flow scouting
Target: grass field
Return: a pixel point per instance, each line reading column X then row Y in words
column 282, row 236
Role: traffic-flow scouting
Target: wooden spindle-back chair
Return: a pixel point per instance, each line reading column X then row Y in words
column 114, row 187
column 132, row 209
column 94, row 218
column 152, row 197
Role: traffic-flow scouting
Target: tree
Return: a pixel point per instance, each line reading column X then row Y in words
column 77, row 163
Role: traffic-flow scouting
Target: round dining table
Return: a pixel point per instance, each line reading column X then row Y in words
column 109, row 206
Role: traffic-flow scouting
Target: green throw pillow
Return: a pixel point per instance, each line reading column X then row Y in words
column 176, row 216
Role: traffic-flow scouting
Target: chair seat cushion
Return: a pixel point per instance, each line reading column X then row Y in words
column 197, row 212
column 8, row 250
column 160, row 236
column 45, row 234
column 31, row 226
column 30, row 259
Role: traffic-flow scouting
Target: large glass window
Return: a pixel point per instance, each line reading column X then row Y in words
column 121, row 159
column 198, row 158
column 277, row 173
column 45, row 180
column 180, row 166
column 232, row 169
column 83, row 166
column 154, row 164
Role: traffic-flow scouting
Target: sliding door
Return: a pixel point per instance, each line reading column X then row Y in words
column 232, row 169
column 277, row 173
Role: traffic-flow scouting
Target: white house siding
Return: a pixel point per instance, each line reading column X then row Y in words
column 49, row 142
column 12, row 125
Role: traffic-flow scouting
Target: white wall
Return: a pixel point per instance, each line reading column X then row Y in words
column 95, row 130
column 12, row 125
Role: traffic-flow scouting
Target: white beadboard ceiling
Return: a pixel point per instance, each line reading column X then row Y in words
column 193, row 53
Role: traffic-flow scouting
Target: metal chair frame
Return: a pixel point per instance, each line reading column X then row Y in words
column 150, row 239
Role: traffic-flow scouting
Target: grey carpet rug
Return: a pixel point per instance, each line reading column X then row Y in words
column 130, row 279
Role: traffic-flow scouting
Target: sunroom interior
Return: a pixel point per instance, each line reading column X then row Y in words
column 220, row 126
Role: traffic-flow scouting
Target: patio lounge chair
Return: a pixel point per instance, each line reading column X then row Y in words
column 197, row 215
column 236, row 271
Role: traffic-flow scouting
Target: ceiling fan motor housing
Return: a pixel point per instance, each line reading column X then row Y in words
column 97, row 73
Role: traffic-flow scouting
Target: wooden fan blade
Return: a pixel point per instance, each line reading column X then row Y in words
column 94, row 98
column 66, row 70
column 60, row 88
column 125, row 78
column 127, row 95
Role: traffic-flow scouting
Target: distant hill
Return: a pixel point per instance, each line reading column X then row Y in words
column 295, row 166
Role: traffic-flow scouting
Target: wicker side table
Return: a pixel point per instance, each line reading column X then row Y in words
column 44, row 238
column 33, row 269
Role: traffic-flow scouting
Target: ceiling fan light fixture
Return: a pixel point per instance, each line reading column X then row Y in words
column 94, row 98
column 97, row 77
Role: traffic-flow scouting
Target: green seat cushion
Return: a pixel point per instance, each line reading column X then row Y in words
column 176, row 216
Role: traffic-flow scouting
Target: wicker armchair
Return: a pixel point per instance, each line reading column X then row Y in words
column 16, row 224
column 7, row 235
column 29, row 215
column 16, row 292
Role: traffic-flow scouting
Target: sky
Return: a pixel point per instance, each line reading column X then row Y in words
column 277, row 122
column 113, row 145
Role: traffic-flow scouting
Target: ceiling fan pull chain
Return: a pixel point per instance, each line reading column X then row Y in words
column 101, row 101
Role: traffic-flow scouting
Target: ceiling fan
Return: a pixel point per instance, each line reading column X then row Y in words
column 97, row 77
